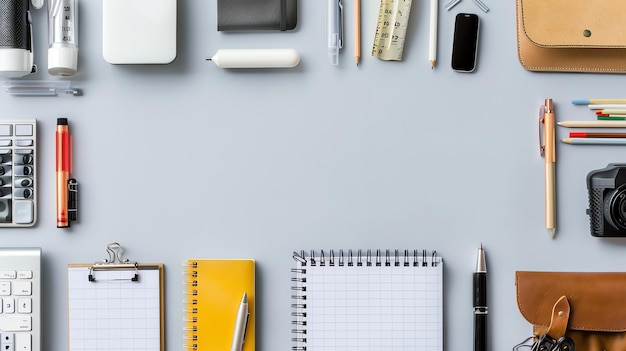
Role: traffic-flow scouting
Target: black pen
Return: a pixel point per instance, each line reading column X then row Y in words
column 480, row 302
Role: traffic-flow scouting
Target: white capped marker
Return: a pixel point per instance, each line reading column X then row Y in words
column 256, row 58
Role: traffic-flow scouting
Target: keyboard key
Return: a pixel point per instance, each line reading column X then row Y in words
column 25, row 305
column 8, row 305
column 8, row 274
column 25, row 274
column 15, row 323
column 22, row 342
column 5, row 288
column 22, row 288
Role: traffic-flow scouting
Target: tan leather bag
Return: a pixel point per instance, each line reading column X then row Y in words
column 572, row 35
column 589, row 308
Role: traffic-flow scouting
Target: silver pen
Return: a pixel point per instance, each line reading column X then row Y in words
column 241, row 324
column 334, row 28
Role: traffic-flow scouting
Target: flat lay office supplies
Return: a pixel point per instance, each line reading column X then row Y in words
column 606, row 190
column 139, row 31
column 357, row 31
column 478, row 3
column 23, row 87
column 592, row 124
column 547, row 148
column 218, row 294
column 246, row 15
column 116, row 304
column 16, row 39
column 480, row 302
column 20, row 287
column 18, row 173
column 62, row 37
column 581, row 38
column 432, row 39
column 393, row 20
column 66, row 187
column 334, row 29
column 383, row 299
column 585, row 307
column 255, row 58
column 594, row 141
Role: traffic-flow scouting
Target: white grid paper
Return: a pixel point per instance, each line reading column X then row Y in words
column 380, row 308
column 114, row 314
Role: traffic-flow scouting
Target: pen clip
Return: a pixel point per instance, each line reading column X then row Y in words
column 340, row 34
column 542, row 142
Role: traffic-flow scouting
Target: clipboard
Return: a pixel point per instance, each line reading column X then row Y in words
column 116, row 304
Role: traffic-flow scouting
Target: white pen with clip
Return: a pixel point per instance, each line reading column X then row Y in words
column 334, row 27
column 241, row 324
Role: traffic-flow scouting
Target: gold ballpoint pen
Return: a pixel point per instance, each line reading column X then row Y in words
column 548, row 151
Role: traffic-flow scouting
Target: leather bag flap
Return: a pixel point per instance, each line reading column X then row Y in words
column 597, row 300
column 575, row 23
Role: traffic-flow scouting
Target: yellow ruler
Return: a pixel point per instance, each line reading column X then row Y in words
column 393, row 19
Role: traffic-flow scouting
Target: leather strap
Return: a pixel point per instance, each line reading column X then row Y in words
column 560, row 318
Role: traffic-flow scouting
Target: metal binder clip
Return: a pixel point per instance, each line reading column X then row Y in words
column 115, row 261
column 546, row 343
column 478, row 3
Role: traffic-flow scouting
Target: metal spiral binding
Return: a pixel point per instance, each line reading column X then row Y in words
column 191, row 309
column 321, row 259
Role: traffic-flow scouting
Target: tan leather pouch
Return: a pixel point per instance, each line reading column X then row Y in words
column 590, row 308
column 572, row 35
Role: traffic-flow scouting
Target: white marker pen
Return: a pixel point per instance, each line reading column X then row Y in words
column 256, row 58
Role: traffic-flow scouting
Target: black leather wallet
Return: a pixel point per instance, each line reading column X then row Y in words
column 256, row 15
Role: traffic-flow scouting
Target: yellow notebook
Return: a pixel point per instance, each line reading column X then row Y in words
column 214, row 294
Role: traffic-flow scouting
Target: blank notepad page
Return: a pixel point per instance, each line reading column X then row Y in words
column 368, row 307
column 114, row 313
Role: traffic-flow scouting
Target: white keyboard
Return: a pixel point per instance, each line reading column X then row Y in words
column 20, row 292
column 18, row 184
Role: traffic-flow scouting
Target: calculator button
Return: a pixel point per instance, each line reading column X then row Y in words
column 5, row 143
column 6, row 129
column 23, row 159
column 23, row 193
column 23, row 182
column 23, row 170
column 24, row 142
column 23, row 129
column 23, row 211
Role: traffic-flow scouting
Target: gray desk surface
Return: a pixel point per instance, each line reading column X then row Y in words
column 189, row 160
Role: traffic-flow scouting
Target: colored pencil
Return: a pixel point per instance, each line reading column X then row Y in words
column 593, row 124
column 598, row 101
column 596, row 135
column 595, row 141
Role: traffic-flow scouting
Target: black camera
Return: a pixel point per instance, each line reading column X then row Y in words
column 607, row 200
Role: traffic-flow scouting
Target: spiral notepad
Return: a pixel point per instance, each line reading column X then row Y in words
column 214, row 293
column 368, row 300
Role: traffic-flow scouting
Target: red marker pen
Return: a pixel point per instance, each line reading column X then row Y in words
column 63, row 169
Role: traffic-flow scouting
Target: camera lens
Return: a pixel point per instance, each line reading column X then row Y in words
column 615, row 207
